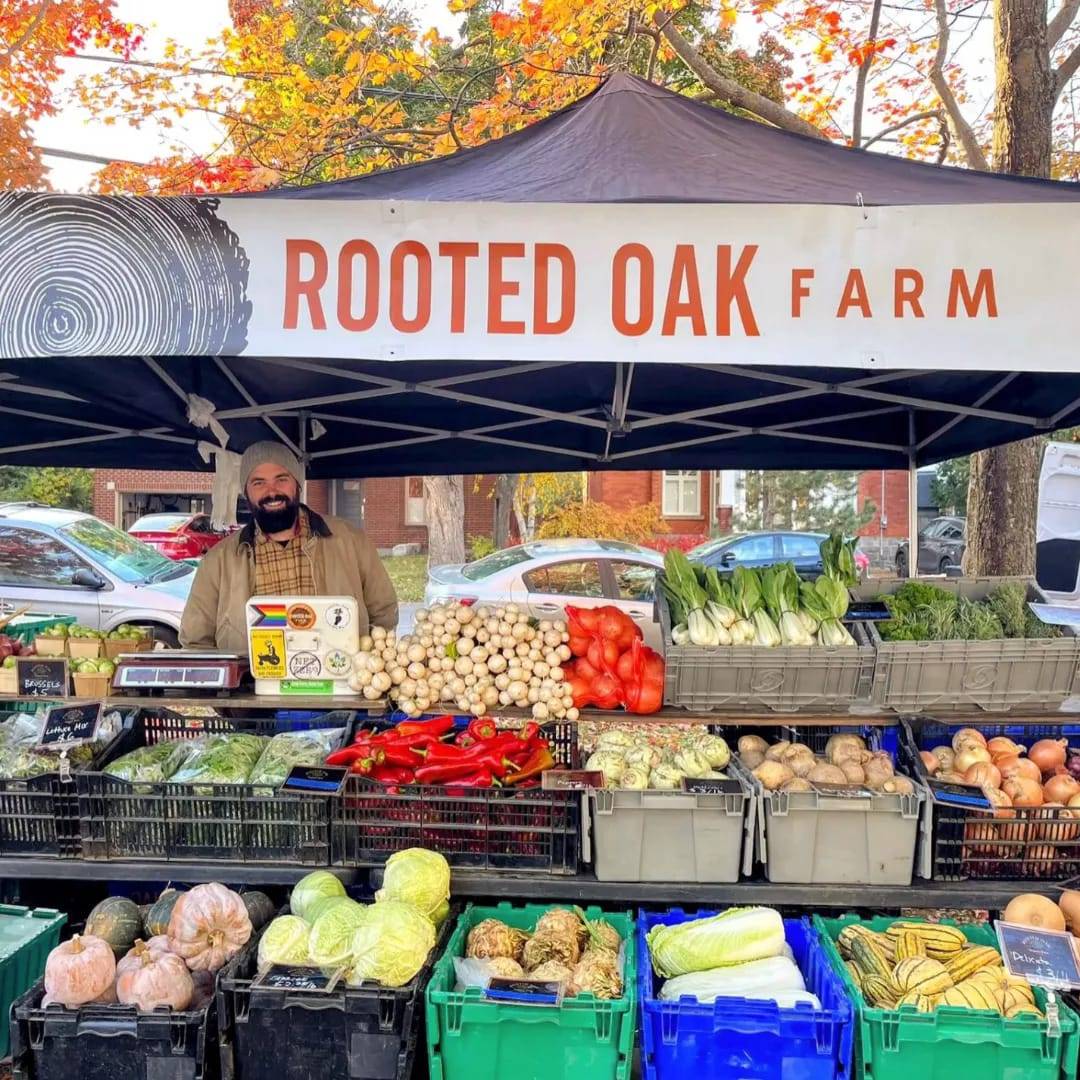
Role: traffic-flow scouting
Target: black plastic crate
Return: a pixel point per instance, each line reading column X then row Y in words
column 365, row 1033
column 490, row 829
column 165, row 822
column 111, row 1042
column 1033, row 843
column 39, row 816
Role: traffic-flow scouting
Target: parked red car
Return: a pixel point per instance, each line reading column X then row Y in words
column 177, row 536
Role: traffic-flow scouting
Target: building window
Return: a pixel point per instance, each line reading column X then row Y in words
column 414, row 501
column 682, row 493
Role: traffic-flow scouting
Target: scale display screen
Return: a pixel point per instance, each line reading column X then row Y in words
column 143, row 676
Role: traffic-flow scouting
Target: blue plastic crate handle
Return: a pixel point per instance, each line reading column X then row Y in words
column 513, row 997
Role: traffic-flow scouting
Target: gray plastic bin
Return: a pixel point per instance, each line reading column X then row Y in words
column 671, row 835
column 749, row 678
column 1029, row 675
column 805, row 837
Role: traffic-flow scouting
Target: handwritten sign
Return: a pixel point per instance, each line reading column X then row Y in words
column 524, row 991
column 39, row 676
column 314, row 780
column 1044, row 957
column 707, row 785
column 843, row 791
column 294, row 977
column 571, row 779
column 70, row 725
column 965, row 795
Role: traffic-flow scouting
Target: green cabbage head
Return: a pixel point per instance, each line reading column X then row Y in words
column 285, row 941
column 321, row 885
column 330, row 941
column 391, row 944
column 416, row 876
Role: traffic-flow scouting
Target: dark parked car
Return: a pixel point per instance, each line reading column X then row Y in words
column 941, row 546
column 765, row 548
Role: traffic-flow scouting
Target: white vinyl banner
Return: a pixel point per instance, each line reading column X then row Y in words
column 922, row 287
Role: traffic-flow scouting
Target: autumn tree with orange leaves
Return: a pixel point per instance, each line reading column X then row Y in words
column 35, row 35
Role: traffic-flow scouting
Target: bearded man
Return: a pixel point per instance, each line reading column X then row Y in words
column 285, row 550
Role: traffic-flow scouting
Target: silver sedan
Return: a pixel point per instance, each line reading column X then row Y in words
column 546, row 575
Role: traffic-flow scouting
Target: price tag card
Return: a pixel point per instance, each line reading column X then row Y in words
column 571, row 779
column 705, row 785
column 293, row 977
column 843, row 791
column 314, row 780
column 524, row 991
column 966, row 795
column 1044, row 957
column 70, row 725
column 40, row 676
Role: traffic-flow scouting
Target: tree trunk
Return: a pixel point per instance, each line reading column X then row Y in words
column 1003, row 492
column 505, row 487
column 444, row 500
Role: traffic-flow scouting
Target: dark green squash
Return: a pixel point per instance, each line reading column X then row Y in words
column 117, row 920
column 157, row 919
column 260, row 908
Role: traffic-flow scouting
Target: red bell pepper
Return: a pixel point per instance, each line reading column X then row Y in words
column 482, row 728
column 464, row 740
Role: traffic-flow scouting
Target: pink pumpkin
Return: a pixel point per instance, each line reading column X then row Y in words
column 79, row 971
column 209, row 924
column 153, row 980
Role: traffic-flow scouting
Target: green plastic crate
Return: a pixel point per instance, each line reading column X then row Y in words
column 27, row 627
column 26, row 939
column 951, row 1042
column 582, row 1039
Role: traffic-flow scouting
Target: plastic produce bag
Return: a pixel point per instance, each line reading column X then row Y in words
column 222, row 759
column 294, row 748
column 758, row 979
column 152, row 764
column 21, row 760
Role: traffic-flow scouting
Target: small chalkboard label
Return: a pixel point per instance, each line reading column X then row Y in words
column 707, row 785
column 843, row 791
column 70, row 725
column 1044, row 957
column 571, row 779
column 40, row 676
column 314, row 780
column 966, row 795
column 294, row 977
column 524, row 991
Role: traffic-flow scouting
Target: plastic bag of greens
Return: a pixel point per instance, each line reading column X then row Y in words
column 20, row 759
column 293, row 748
column 152, row 764
column 221, row 759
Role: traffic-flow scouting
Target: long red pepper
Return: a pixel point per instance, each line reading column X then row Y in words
column 437, row 725
column 482, row 728
column 469, row 763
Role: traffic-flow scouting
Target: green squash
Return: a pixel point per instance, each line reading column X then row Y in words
column 260, row 908
column 117, row 920
column 157, row 919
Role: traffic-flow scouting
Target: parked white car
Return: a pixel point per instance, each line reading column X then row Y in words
column 546, row 575
column 63, row 562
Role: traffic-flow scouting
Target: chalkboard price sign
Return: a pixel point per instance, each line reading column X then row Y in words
column 293, row 977
column 39, row 676
column 70, row 725
column 1044, row 957
column 314, row 780
column 704, row 785
column 965, row 795
column 524, row 991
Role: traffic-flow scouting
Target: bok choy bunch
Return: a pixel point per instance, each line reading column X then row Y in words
column 780, row 587
column 690, row 624
column 750, row 603
column 827, row 601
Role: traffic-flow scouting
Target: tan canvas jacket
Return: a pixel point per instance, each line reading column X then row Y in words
column 344, row 561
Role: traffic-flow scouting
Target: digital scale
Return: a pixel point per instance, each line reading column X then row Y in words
column 302, row 644
column 179, row 669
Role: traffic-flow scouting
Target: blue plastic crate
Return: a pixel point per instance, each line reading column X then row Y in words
column 736, row 1038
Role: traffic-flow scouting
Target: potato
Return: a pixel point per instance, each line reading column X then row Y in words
column 776, row 751
column 826, row 774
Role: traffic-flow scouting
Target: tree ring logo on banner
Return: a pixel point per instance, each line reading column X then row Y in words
column 980, row 677
column 86, row 276
column 768, row 681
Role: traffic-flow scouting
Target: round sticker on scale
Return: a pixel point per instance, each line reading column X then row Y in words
column 301, row 617
column 338, row 663
column 305, row 665
column 338, row 616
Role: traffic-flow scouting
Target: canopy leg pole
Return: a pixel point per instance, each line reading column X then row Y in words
column 304, row 460
column 913, row 501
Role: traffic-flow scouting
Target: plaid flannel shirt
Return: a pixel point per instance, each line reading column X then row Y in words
column 284, row 570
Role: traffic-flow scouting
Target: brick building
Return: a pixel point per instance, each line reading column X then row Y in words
column 887, row 491
column 390, row 509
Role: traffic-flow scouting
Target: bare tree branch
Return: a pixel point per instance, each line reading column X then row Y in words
column 946, row 139
column 914, row 119
column 729, row 89
column 976, row 159
column 864, row 74
column 28, row 33
column 1065, row 71
column 1061, row 21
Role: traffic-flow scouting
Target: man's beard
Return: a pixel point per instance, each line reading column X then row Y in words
column 279, row 519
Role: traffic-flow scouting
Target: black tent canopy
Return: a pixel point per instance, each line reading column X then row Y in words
column 132, row 329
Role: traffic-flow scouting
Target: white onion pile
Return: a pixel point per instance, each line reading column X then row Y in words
column 471, row 659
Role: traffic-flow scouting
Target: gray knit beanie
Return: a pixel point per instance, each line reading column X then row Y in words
column 262, row 453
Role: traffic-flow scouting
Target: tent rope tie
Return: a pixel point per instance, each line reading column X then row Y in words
column 201, row 413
